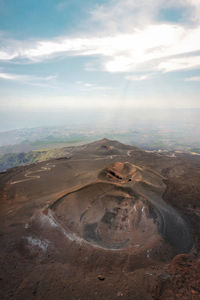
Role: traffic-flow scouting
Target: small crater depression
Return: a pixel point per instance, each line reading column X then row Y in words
column 121, row 172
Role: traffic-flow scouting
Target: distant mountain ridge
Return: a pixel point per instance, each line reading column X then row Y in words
column 11, row 160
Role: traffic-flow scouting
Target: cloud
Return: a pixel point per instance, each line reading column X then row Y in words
column 27, row 79
column 11, row 76
column 138, row 77
column 4, row 55
column 64, row 5
column 123, row 16
column 139, row 42
column 180, row 63
column 61, row 5
column 195, row 78
column 86, row 86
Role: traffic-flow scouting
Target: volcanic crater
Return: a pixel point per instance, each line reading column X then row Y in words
column 114, row 212
column 101, row 222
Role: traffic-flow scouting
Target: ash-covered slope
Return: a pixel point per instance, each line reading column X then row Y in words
column 100, row 213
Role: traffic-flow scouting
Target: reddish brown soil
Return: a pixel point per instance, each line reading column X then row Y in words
column 136, row 243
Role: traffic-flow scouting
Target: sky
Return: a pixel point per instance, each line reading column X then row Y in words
column 95, row 55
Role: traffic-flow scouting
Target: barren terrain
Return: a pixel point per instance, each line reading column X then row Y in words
column 106, row 221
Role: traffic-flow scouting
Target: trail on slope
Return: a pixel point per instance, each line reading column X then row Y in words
column 29, row 175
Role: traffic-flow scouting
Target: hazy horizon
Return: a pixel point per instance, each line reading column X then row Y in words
column 118, row 118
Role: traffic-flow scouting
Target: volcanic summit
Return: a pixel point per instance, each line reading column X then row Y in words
column 105, row 210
